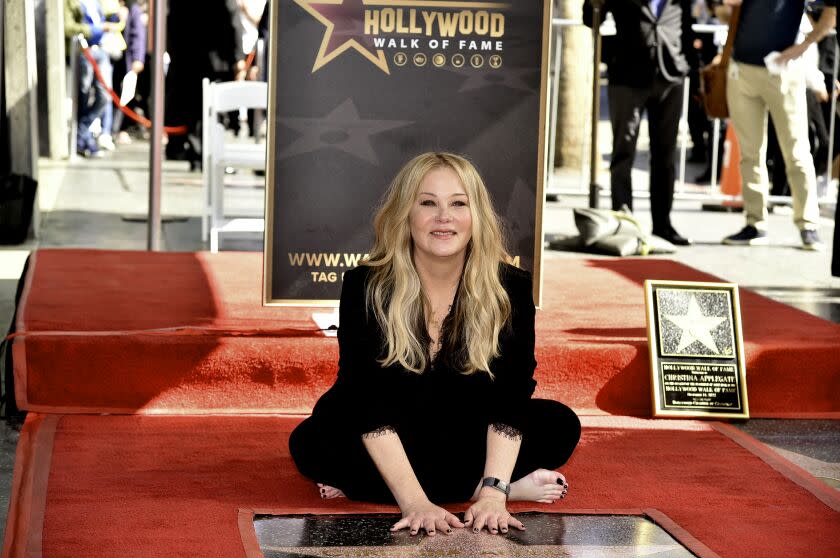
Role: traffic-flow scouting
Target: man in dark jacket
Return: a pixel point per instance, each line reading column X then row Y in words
column 203, row 42
column 646, row 73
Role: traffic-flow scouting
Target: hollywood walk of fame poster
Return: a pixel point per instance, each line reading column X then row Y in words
column 359, row 87
column 696, row 349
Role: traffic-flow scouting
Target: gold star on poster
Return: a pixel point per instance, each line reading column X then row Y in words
column 695, row 326
column 344, row 21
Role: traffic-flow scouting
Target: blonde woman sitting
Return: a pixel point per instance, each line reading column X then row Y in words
column 432, row 403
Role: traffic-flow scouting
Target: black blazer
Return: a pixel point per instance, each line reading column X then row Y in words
column 647, row 47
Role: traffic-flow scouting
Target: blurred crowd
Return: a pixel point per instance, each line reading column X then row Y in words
column 779, row 87
column 818, row 65
column 779, row 90
column 215, row 39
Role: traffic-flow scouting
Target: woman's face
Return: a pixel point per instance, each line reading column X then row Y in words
column 440, row 219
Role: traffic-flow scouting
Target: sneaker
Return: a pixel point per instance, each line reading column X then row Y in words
column 106, row 142
column 811, row 240
column 748, row 236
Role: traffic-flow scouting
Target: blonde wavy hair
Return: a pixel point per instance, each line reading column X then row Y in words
column 394, row 293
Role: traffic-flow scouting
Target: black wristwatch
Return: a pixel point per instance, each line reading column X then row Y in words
column 498, row 484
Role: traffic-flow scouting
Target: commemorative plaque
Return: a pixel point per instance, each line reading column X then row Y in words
column 696, row 350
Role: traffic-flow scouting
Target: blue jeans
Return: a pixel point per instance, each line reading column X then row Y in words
column 93, row 98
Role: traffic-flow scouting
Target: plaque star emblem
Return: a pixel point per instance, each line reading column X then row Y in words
column 341, row 129
column 344, row 21
column 695, row 326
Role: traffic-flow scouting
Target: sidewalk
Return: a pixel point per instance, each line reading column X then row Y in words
column 101, row 203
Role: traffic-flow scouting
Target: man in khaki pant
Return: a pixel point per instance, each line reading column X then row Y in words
column 767, row 26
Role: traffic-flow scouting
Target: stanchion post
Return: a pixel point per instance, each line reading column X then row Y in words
column 715, row 143
column 597, row 6
column 156, row 146
column 259, row 114
column 73, row 90
column 684, row 132
column 830, row 163
column 555, row 99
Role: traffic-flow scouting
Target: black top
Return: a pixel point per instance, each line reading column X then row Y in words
column 367, row 396
column 647, row 47
column 766, row 26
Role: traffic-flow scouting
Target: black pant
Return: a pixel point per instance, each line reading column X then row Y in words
column 449, row 464
column 663, row 103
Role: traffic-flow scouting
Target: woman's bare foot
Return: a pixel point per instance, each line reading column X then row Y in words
column 328, row 491
column 542, row 486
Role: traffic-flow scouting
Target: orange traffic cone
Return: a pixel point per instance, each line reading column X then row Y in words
column 730, row 174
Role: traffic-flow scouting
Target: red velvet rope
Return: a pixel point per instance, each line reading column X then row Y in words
column 145, row 122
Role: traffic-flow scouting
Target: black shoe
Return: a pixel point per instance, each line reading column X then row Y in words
column 748, row 236
column 673, row 237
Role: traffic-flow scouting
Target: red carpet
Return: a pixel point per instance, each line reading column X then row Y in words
column 174, row 486
column 172, row 333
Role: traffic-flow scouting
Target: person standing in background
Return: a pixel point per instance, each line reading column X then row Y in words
column 250, row 12
column 134, row 59
column 204, row 41
column 752, row 90
column 114, row 44
column 646, row 72
column 86, row 17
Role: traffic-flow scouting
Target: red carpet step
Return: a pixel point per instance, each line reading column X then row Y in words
column 185, row 333
column 149, row 486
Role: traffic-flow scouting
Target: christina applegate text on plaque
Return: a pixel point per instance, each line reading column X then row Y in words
column 696, row 349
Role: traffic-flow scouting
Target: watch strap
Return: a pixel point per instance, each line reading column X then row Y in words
column 498, row 484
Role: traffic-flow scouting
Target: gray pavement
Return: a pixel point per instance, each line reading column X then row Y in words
column 101, row 203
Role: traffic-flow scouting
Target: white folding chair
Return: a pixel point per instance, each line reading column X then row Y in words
column 217, row 153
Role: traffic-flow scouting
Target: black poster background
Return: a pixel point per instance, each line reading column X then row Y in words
column 339, row 134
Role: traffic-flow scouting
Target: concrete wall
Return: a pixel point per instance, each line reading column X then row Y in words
column 21, row 82
column 4, row 136
column 52, row 77
column 41, row 48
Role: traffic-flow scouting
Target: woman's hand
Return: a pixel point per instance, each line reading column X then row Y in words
column 491, row 512
column 425, row 515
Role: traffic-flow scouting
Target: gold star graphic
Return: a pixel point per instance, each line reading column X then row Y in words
column 344, row 21
column 696, row 327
